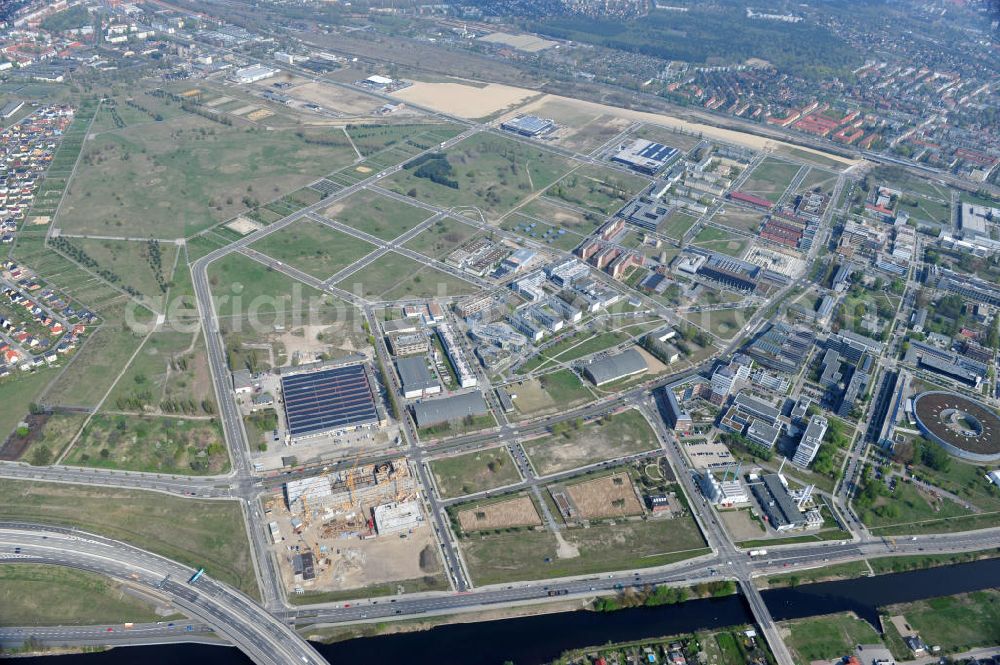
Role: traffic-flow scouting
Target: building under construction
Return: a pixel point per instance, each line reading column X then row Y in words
column 343, row 501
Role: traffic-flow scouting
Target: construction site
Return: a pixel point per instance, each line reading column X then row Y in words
column 352, row 528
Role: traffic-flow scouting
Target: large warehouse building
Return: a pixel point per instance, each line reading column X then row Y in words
column 329, row 400
column 611, row 368
column 447, row 409
column 644, row 156
column 528, row 125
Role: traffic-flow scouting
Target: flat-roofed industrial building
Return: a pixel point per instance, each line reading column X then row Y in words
column 335, row 399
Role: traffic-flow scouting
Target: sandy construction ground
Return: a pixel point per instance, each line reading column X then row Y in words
column 384, row 559
column 335, row 98
column 465, row 100
column 244, row 226
column 504, row 514
column 529, row 43
column 727, row 135
column 611, row 496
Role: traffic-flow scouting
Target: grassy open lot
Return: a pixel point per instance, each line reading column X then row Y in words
column 41, row 595
column 474, row 472
column 197, row 533
column 93, row 369
column 827, row 638
column 151, row 443
column 924, row 209
column 378, row 215
column 724, row 323
column 910, row 510
column 170, row 373
column 44, row 439
column 497, row 558
column 677, row 224
column 242, row 286
column 395, row 277
column 739, row 219
column 491, row 172
column 443, row 236
column 597, row 188
column 427, row 583
column 173, row 178
column 823, row 179
column 549, row 393
column 142, row 266
column 530, row 227
column 955, row 623
column 314, row 248
column 610, row 437
column 17, row 395
column 770, row 179
column 732, row 247
column 544, row 210
column 585, row 343
column 899, row 178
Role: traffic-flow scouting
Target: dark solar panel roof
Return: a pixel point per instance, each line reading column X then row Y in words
column 329, row 399
column 657, row 151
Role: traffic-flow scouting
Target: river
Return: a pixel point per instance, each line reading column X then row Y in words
column 539, row 639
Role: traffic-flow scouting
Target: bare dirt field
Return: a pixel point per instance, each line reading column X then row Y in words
column 243, row 110
column 740, row 526
column 500, row 515
column 336, row 98
column 727, row 135
column 625, row 434
column 354, row 563
column 244, row 226
column 529, row 43
column 260, row 114
column 611, row 496
column 465, row 100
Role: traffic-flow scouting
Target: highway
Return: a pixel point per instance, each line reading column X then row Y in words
column 238, row 619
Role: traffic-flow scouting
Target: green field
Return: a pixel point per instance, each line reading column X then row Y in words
column 828, row 638
column 241, row 287
column 739, row 219
column 143, row 266
column 576, row 444
column 158, row 444
column 543, row 210
column 549, row 393
column 208, row 533
column 314, row 248
column 17, row 394
column 45, row 439
column 677, row 224
column 396, row 277
column 550, row 234
column 490, row 172
column 443, row 237
column 910, row 511
column 596, row 188
column 173, row 178
column 92, row 370
column 169, row 373
column 41, row 595
column 770, row 179
column 732, row 247
column 955, row 623
column 474, row 472
column 497, row 558
column 724, row 323
column 378, row 215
